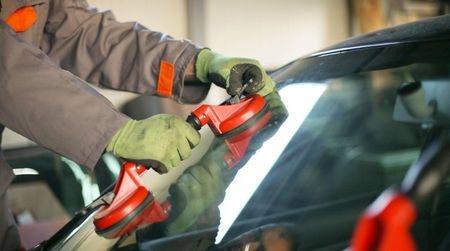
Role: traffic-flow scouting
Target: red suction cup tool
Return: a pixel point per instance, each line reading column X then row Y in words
column 236, row 123
column 224, row 119
column 386, row 224
column 133, row 205
column 238, row 144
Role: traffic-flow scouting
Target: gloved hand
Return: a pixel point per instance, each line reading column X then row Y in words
column 279, row 111
column 233, row 73
column 159, row 142
column 203, row 185
column 198, row 188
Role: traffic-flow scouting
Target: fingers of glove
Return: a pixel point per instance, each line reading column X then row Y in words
column 196, row 190
column 201, row 181
column 179, row 202
column 200, row 175
column 187, row 181
column 182, row 222
column 279, row 114
column 212, row 172
column 216, row 183
column 279, row 111
column 166, row 164
column 253, row 76
column 158, row 167
column 173, row 157
column 189, row 189
column 188, row 132
column 241, row 74
column 217, row 79
column 186, row 186
column 174, row 163
column 269, row 85
column 178, row 192
column 197, row 198
column 184, row 149
column 211, row 179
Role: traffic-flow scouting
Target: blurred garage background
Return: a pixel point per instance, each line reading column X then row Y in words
column 273, row 31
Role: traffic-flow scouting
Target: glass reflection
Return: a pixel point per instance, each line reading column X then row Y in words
column 253, row 172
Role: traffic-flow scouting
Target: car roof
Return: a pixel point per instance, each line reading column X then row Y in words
column 431, row 29
column 425, row 41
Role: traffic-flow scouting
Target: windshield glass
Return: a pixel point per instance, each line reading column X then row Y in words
column 305, row 182
column 338, row 149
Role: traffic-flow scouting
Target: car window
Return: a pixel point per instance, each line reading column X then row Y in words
column 347, row 150
column 339, row 148
column 343, row 148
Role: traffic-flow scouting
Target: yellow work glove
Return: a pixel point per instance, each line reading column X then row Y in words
column 198, row 188
column 160, row 142
column 203, row 185
column 233, row 73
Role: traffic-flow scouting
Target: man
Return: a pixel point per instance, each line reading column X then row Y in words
column 51, row 49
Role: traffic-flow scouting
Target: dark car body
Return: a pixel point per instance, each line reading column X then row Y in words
column 314, row 184
column 345, row 151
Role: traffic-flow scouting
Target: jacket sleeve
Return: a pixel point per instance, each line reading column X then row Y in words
column 51, row 106
column 122, row 56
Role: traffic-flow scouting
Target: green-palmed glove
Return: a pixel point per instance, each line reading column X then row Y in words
column 159, row 142
column 198, row 188
column 203, row 185
column 232, row 73
column 279, row 111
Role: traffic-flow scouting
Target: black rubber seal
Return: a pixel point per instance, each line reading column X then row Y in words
column 249, row 123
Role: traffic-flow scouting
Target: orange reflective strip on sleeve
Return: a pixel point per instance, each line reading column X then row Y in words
column 165, row 79
column 22, row 19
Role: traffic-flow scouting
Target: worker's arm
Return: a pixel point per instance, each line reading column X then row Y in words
column 50, row 106
column 126, row 56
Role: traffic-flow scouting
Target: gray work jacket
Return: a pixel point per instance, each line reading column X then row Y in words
column 44, row 72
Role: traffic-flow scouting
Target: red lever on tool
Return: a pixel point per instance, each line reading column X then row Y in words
column 133, row 205
column 386, row 225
